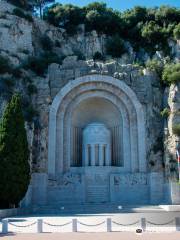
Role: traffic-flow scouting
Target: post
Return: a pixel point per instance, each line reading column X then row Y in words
column 143, row 224
column 74, row 225
column 40, row 225
column 177, row 222
column 4, row 226
column 109, row 224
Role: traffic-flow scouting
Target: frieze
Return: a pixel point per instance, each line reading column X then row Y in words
column 66, row 180
column 130, row 179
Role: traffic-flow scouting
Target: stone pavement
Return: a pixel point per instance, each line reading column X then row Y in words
column 93, row 236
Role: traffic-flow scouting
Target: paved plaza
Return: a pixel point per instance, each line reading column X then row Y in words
column 94, row 236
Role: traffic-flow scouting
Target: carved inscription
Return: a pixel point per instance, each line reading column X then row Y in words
column 130, row 179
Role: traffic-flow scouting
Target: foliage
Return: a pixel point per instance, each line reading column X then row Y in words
column 57, row 43
column 100, row 18
column 176, row 129
column 147, row 28
column 98, row 56
column 156, row 66
column 79, row 55
column 40, row 5
column 115, row 46
column 65, row 16
column 165, row 112
column 32, row 89
column 40, row 64
column 4, row 64
column 29, row 113
column 6, row 86
column 171, row 73
column 46, row 43
column 177, row 32
column 153, row 34
column 20, row 13
column 20, row 3
column 14, row 155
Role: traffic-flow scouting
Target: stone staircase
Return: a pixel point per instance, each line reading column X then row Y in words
column 92, row 209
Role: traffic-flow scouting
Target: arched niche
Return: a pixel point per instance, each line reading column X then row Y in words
column 114, row 95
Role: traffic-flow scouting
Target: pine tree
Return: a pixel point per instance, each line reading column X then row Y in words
column 40, row 4
column 14, row 155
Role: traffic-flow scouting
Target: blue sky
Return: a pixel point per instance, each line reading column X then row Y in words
column 122, row 5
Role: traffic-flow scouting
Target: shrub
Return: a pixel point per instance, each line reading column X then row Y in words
column 37, row 65
column 176, row 32
column 14, row 155
column 156, row 66
column 17, row 72
column 10, row 82
column 165, row 112
column 176, row 129
column 79, row 55
column 141, row 26
column 47, row 43
column 4, row 65
column 20, row 13
column 171, row 73
column 30, row 113
column 31, row 89
column 98, row 56
column 57, row 43
column 40, row 64
column 115, row 46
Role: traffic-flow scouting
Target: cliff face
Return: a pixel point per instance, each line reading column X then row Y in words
column 20, row 39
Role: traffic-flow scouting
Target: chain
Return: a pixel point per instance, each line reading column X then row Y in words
column 120, row 224
column 21, row 226
column 91, row 225
column 160, row 224
column 57, row 225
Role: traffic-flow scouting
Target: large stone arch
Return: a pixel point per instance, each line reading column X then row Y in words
column 110, row 88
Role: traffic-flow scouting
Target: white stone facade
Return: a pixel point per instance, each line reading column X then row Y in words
column 97, row 147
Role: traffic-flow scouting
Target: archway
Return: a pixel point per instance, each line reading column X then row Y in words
column 118, row 106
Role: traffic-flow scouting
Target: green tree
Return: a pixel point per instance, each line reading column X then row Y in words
column 171, row 73
column 40, row 5
column 14, row 155
column 177, row 31
column 115, row 46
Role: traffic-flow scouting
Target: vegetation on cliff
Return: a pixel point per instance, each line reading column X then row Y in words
column 148, row 28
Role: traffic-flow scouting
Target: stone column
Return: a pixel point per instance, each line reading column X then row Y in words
column 93, row 160
column 85, row 156
column 101, row 155
column 108, row 155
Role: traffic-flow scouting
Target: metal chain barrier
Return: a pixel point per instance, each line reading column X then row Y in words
column 21, row 226
column 125, row 225
column 160, row 224
column 91, row 225
column 57, row 225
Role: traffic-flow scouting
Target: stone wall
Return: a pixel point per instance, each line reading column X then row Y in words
column 173, row 103
column 18, row 35
column 20, row 39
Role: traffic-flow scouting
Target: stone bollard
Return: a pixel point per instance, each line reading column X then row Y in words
column 4, row 226
column 109, row 224
column 74, row 225
column 143, row 224
column 40, row 225
column 177, row 222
